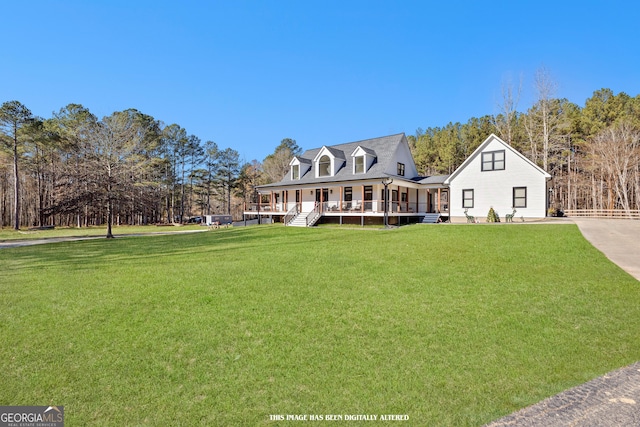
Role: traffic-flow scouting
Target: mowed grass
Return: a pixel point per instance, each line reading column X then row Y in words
column 8, row 234
column 449, row 324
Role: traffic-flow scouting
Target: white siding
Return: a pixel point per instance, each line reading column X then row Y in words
column 495, row 188
column 402, row 155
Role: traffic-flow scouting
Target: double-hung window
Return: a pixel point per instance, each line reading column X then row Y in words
column 467, row 199
column 400, row 169
column 493, row 161
column 519, row 197
column 359, row 164
column 295, row 172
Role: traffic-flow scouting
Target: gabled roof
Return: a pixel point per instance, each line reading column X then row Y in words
column 384, row 148
column 300, row 160
column 338, row 154
column 364, row 150
column 303, row 160
column 335, row 153
column 482, row 146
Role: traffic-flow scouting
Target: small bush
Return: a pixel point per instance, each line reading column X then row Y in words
column 493, row 216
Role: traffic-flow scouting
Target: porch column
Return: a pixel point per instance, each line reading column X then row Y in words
column 340, row 201
column 439, row 200
column 362, row 201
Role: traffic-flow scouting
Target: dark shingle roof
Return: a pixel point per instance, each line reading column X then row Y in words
column 303, row 160
column 339, row 154
column 434, row 179
column 383, row 148
column 367, row 150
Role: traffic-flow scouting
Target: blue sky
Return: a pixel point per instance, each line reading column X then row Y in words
column 247, row 74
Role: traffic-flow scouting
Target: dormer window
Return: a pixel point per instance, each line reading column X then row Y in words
column 299, row 166
column 363, row 159
column 324, row 166
column 328, row 162
column 400, row 169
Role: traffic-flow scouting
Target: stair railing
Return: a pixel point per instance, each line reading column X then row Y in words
column 313, row 216
column 291, row 214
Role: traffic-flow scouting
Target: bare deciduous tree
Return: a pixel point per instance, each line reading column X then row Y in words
column 114, row 157
column 276, row 165
column 616, row 154
column 543, row 118
column 504, row 122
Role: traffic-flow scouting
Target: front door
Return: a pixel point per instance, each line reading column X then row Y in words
column 322, row 196
column 394, row 201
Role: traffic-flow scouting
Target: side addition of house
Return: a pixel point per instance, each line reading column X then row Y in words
column 498, row 176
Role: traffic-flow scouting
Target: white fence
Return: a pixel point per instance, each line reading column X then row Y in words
column 604, row 213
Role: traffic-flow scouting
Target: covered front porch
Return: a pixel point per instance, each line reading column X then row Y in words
column 353, row 203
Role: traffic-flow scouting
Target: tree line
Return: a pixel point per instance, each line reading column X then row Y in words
column 74, row 169
column 591, row 152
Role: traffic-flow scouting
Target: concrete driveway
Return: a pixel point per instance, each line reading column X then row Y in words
column 618, row 239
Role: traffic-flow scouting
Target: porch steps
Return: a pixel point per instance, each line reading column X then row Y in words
column 430, row 218
column 301, row 220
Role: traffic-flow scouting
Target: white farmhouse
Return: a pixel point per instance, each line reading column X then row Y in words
column 376, row 181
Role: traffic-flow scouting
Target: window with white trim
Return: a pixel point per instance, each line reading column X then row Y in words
column 295, row 172
column 400, row 169
column 324, row 166
column 358, row 165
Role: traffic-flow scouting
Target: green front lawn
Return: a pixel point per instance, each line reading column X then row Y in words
column 448, row 324
column 9, row 234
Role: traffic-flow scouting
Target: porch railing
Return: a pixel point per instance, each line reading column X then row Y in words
column 265, row 207
column 372, row 206
column 350, row 207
